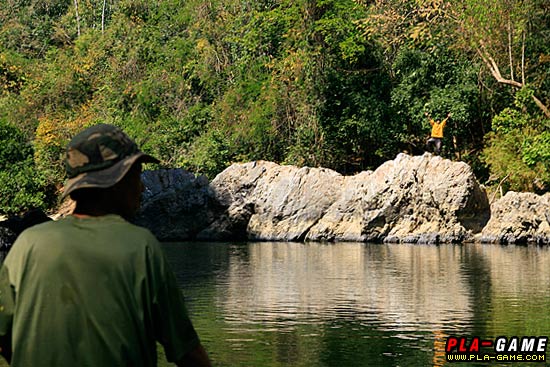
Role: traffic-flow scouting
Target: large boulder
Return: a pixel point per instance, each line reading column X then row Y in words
column 176, row 205
column 272, row 202
column 410, row 199
column 519, row 218
column 424, row 199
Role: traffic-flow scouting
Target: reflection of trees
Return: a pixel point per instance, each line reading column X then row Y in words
column 475, row 270
column 509, row 289
column 287, row 346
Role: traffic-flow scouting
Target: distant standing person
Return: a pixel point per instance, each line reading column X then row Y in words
column 92, row 289
column 436, row 137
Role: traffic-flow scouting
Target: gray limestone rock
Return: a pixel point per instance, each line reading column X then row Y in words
column 411, row 199
column 422, row 199
column 519, row 218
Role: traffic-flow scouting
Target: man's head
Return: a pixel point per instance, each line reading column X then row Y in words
column 103, row 167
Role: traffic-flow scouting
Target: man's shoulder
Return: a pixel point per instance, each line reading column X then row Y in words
column 40, row 228
column 113, row 223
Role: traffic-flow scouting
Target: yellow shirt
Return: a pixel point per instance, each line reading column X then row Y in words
column 437, row 128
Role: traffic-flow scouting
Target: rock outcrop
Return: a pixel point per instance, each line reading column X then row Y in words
column 176, row 205
column 423, row 199
column 272, row 202
column 410, row 199
column 413, row 199
column 519, row 218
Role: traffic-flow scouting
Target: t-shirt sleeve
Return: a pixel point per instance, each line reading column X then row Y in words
column 7, row 302
column 9, row 278
column 11, row 264
column 173, row 328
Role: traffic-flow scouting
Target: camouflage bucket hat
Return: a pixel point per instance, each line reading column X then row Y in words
column 99, row 157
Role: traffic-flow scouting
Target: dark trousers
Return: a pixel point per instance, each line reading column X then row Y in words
column 436, row 142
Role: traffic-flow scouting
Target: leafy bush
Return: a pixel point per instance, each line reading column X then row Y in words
column 518, row 151
column 22, row 186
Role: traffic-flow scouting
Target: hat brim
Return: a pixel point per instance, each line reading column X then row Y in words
column 106, row 177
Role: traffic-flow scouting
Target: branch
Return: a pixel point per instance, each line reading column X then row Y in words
column 541, row 106
column 493, row 67
column 499, row 188
column 495, row 71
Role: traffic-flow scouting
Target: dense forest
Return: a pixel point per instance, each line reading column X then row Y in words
column 343, row 84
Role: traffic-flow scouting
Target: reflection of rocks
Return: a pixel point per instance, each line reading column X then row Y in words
column 386, row 285
column 519, row 218
column 423, row 199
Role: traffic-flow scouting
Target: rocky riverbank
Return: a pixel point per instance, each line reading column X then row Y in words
column 411, row 199
column 420, row 199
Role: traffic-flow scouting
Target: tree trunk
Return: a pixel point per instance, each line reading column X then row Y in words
column 77, row 18
column 103, row 16
column 510, row 56
column 523, row 57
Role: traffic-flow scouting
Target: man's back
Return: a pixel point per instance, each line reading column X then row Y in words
column 92, row 291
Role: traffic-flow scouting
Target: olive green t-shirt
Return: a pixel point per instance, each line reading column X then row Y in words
column 91, row 292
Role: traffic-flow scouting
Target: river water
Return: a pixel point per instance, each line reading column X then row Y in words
column 355, row 304
column 269, row 304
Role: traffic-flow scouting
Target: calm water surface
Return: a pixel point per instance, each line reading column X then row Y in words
column 354, row 304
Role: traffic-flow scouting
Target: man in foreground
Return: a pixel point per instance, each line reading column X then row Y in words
column 92, row 289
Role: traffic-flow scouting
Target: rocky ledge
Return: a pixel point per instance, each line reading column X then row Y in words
column 519, row 218
column 411, row 199
column 423, row 199
column 420, row 199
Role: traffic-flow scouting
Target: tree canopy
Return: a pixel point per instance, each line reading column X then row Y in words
column 336, row 83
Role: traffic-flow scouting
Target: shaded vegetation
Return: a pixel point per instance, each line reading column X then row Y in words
column 336, row 83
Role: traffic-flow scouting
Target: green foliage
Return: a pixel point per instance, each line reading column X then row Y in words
column 438, row 84
column 22, row 189
column 21, row 185
column 337, row 83
column 14, row 148
column 211, row 154
column 537, row 151
column 519, row 148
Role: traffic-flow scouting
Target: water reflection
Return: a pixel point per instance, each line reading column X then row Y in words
column 352, row 304
column 395, row 287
